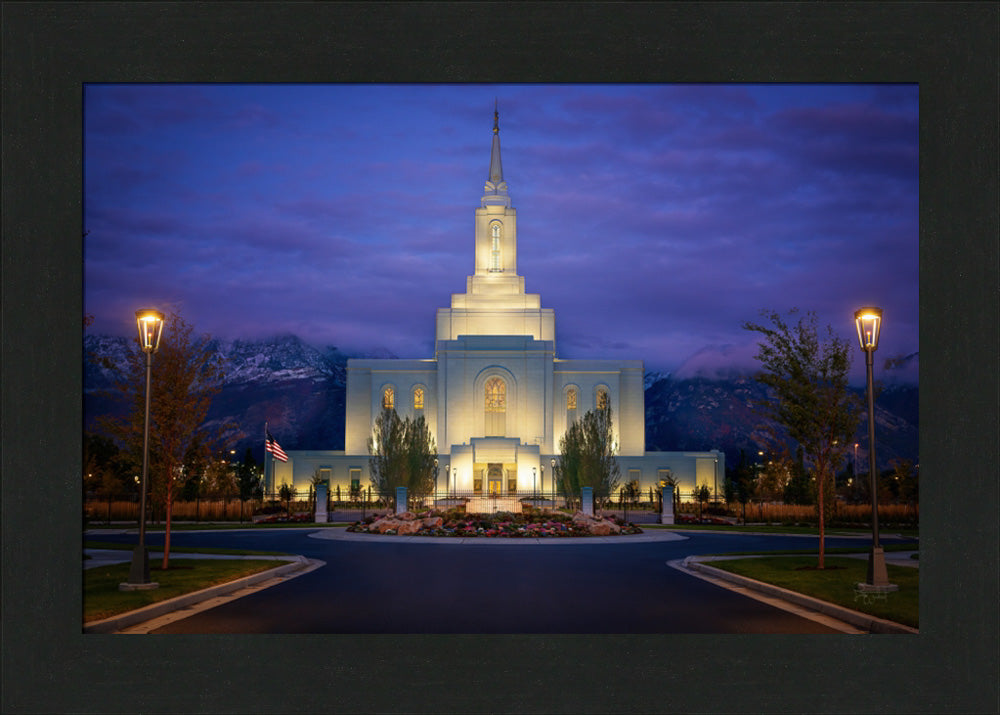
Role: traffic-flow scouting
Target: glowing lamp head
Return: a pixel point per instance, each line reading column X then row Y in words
column 869, row 323
column 150, row 324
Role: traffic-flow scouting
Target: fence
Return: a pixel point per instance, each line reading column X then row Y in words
column 103, row 510
column 357, row 506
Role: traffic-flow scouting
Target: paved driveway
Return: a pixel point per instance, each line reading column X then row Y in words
column 414, row 587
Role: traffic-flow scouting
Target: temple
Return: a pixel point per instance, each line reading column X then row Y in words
column 496, row 397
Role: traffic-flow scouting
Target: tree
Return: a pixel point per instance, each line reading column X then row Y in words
column 401, row 454
column 185, row 376
column 287, row 492
column 248, row 477
column 745, row 482
column 701, row 495
column 587, row 456
column 808, row 395
column 906, row 478
column 800, row 488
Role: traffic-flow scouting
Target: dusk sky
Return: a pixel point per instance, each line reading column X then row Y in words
column 654, row 219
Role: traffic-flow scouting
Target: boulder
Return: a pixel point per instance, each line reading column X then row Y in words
column 596, row 525
column 409, row 527
column 432, row 522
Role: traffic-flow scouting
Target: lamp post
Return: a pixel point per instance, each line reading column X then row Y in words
column 534, row 482
column 552, row 478
column 150, row 324
column 868, row 322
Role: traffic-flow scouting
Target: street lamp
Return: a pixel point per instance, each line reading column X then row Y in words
column 150, row 324
column 534, row 481
column 869, row 322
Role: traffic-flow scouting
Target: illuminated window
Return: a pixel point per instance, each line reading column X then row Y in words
column 571, row 396
column 602, row 399
column 418, row 398
column 388, row 401
column 496, row 407
column 496, row 395
column 495, row 231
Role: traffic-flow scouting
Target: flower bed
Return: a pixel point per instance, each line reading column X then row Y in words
column 502, row 525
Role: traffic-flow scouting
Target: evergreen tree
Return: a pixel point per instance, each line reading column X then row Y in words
column 587, row 456
column 401, row 454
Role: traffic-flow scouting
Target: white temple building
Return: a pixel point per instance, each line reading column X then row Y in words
column 495, row 395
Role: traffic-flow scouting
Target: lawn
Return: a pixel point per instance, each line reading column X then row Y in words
column 116, row 545
column 785, row 529
column 836, row 583
column 102, row 599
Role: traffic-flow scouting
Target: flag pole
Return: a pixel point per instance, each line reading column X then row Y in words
column 267, row 463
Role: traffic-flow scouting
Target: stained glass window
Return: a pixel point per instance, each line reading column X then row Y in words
column 571, row 400
column 388, row 402
column 496, row 395
column 418, row 398
column 602, row 399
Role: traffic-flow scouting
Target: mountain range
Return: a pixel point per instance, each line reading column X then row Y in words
column 299, row 390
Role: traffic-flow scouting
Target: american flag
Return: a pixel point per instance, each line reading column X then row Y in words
column 274, row 448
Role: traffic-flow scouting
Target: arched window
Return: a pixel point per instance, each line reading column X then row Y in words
column 571, row 396
column 388, row 399
column 602, row 399
column 495, row 234
column 496, row 407
column 418, row 398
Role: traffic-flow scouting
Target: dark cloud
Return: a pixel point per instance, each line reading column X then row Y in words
column 653, row 219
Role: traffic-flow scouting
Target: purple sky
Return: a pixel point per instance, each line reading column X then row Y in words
column 654, row 219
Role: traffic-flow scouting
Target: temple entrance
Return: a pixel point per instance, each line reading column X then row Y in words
column 494, row 479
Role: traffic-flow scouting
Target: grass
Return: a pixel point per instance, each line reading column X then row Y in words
column 786, row 529
column 102, row 599
column 815, row 552
column 836, row 583
column 91, row 544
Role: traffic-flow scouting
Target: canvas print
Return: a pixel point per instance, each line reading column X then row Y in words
column 371, row 358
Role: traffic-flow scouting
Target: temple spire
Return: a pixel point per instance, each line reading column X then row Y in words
column 496, row 168
column 496, row 187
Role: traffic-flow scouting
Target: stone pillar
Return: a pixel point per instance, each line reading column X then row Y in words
column 587, row 497
column 400, row 500
column 321, row 490
column 667, row 515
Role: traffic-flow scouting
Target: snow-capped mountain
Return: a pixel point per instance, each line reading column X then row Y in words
column 299, row 390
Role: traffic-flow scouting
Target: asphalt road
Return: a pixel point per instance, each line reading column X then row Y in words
column 373, row 587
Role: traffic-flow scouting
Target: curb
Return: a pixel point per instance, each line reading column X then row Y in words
column 645, row 538
column 865, row 621
column 140, row 615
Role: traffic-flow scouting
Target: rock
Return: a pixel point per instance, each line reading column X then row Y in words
column 433, row 522
column 596, row 525
column 409, row 527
